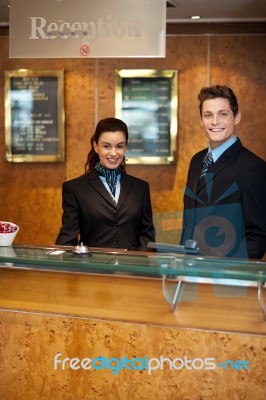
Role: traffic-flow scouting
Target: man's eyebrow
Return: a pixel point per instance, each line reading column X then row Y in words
column 209, row 111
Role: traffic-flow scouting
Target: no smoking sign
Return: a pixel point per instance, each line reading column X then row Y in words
column 84, row 50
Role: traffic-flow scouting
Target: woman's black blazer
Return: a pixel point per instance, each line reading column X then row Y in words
column 91, row 216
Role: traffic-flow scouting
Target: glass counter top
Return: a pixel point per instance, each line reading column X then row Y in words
column 107, row 261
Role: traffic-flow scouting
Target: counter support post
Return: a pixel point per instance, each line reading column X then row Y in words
column 175, row 286
column 261, row 292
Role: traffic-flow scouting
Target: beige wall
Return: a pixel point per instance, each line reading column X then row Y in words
column 31, row 193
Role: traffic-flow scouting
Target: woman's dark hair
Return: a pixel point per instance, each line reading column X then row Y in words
column 105, row 125
column 215, row 91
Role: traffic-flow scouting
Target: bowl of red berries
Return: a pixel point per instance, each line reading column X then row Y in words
column 8, row 232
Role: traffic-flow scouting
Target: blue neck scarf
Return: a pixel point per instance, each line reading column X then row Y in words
column 109, row 174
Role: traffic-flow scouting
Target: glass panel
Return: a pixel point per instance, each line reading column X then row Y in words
column 132, row 263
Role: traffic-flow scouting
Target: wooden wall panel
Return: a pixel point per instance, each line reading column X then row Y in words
column 29, row 343
column 31, row 194
column 239, row 62
column 43, row 313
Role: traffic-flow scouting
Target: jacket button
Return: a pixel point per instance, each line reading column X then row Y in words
column 114, row 242
column 115, row 226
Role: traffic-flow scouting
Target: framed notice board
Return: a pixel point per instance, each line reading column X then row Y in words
column 34, row 116
column 147, row 101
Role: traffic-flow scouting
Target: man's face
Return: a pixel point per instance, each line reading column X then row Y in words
column 218, row 121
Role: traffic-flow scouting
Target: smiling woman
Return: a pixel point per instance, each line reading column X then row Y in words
column 111, row 149
column 106, row 207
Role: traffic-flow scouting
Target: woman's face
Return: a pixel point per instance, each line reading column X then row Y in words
column 111, row 148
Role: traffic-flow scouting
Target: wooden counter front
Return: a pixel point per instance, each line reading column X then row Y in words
column 43, row 313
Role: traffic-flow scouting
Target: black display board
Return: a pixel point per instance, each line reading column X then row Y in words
column 34, row 116
column 147, row 102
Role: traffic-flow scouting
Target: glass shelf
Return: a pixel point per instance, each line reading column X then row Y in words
column 174, row 269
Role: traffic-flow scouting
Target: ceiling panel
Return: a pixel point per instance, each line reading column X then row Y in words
column 180, row 11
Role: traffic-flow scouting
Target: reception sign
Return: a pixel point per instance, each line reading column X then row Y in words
column 87, row 29
column 34, row 116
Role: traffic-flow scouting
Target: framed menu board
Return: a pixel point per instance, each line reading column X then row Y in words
column 147, row 101
column 34, row 116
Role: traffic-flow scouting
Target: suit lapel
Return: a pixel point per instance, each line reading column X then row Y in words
column 196, row 185
column 223, row 161
column 96, row 183
column 126, row 182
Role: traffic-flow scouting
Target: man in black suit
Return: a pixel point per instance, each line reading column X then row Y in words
column 225, row 195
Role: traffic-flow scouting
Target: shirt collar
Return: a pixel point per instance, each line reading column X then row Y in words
column 216, row 153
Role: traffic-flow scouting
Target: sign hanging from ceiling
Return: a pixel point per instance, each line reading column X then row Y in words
column 87, row 29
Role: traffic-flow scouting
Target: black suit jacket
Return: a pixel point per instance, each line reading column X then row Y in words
column 91, row 216
column 235, row 191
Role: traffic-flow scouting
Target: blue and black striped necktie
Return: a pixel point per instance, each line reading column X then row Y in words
column 208, row 161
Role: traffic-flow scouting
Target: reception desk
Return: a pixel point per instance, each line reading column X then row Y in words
column 125, row 325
